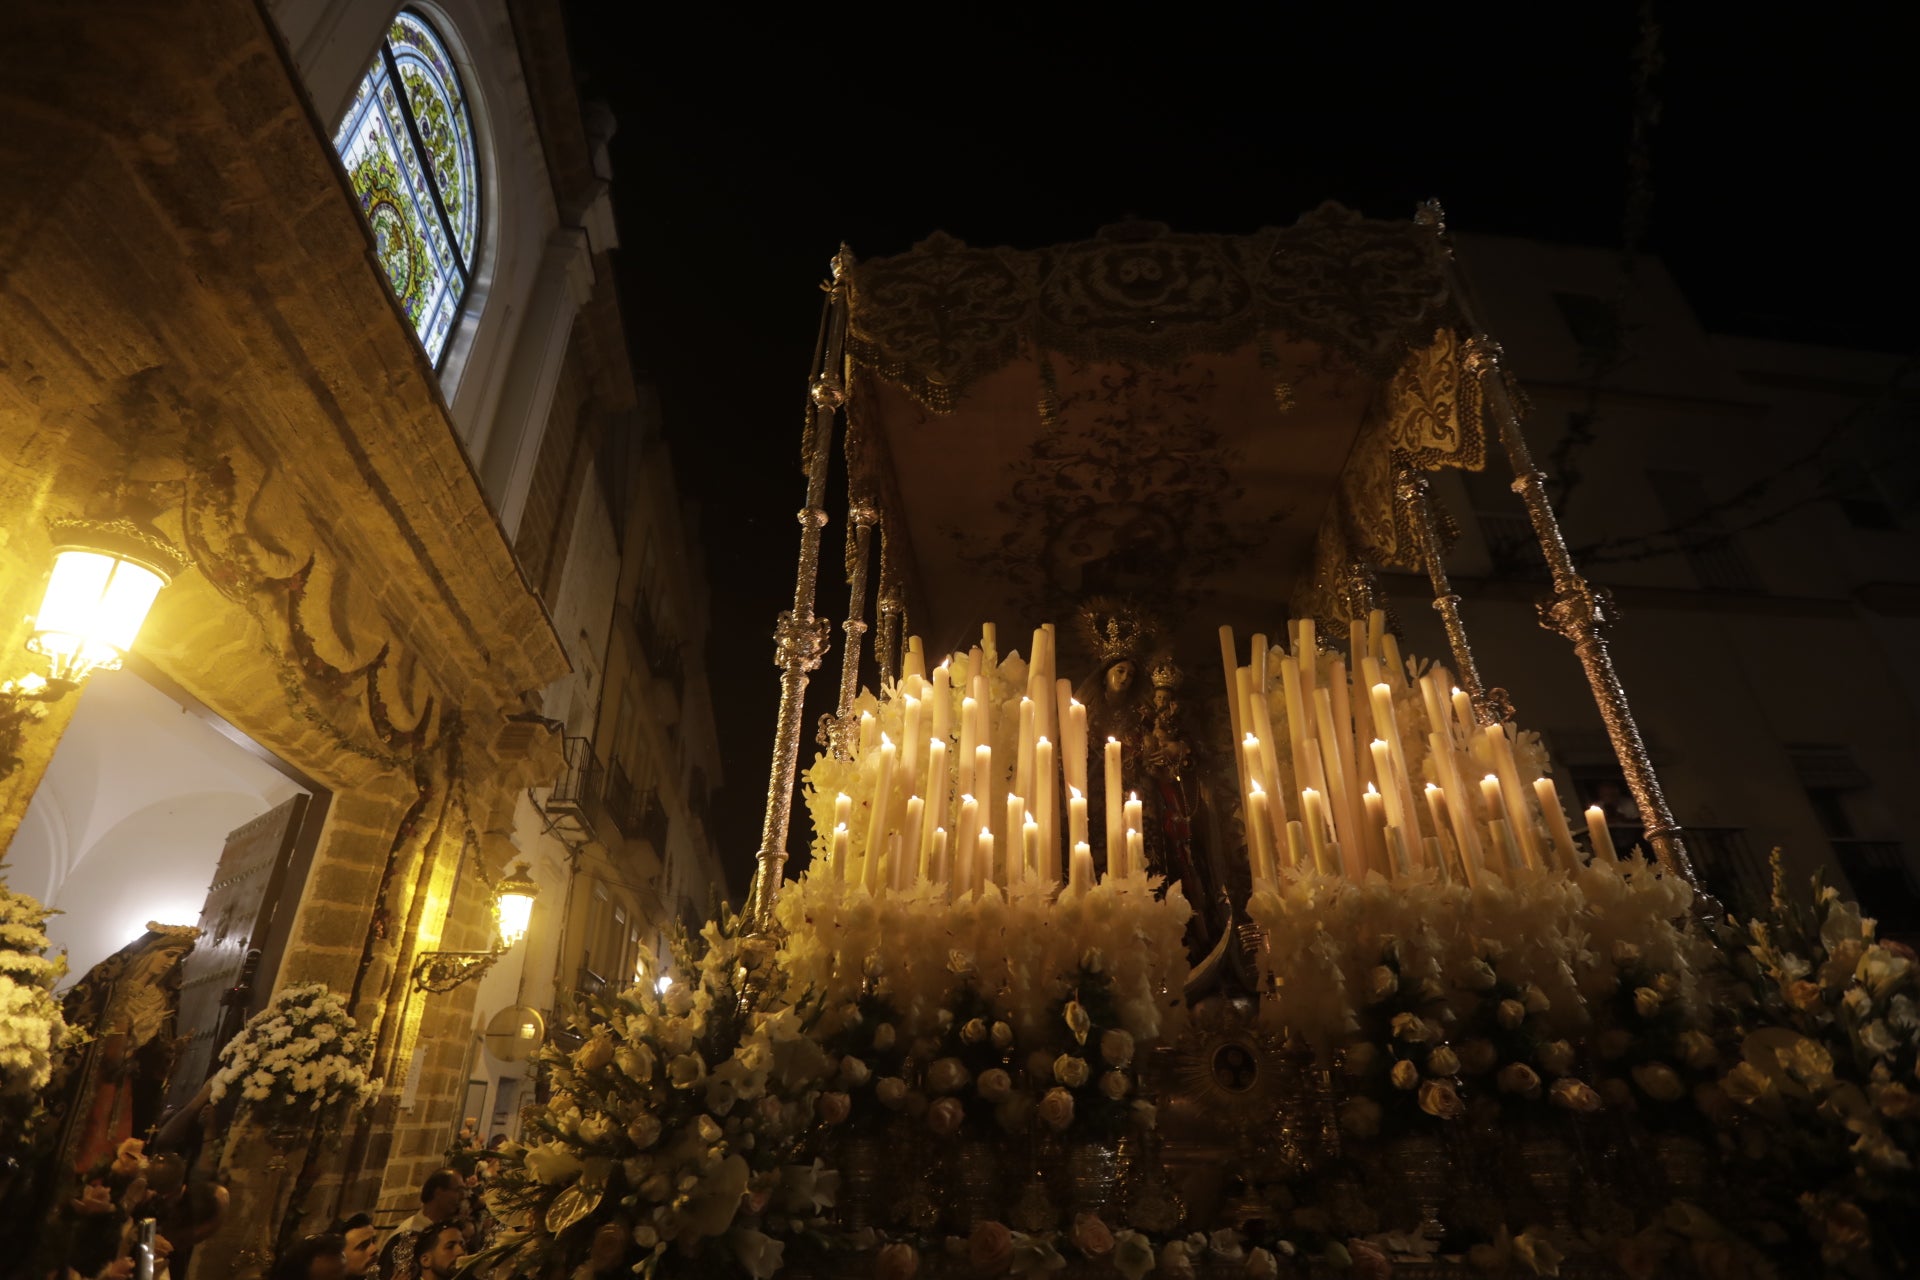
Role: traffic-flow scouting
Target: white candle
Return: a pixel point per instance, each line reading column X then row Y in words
column 1316, row 822
column 1236, row 703
column 1047, row 798
column 1264, row 870
column 1023, row 757
column 908, row 858
column 842, row 809
column 1299, row 721
column 1016, row 835
column 1395, row 669
column 985, row 784
column 942, row 699
column 1397, row 845
column 837, row 860
column 1556, row 817
column 1490, row 794
column 877, row 821
column 938, row 788
column 1383, row 767
column 990, row 641
column 910, row 743
column 1466, row 833
column 1134, row 814
column 1436, row 856
column 868, row 728
column 1077, row 744
column 1267, row 766
column 1080, row 874
column 1076, row 816
column 1519, row 812
column 969, row 842
column 1443, row 821
column 937, row 870
column 983, row 859
column 1376, row 824
column 1503, row 836
column 915, row 664
column 1029, row 851
column 1598, row 835
column 1463, row 711
column 1136, row 854
column 1297, row 851
column 969, row 739
column 1115, row 799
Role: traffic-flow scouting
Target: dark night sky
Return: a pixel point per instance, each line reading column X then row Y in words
column 750, row 146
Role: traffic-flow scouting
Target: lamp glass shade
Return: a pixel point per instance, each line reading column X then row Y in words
column 513, row 905
column 94, row 605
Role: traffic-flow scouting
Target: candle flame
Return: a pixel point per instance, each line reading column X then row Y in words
column 843, row 796
column 1371, row 791
column 1112, row 741
column 1250, row 741
column 1255, row 784
column 1431, row 788
column 866, row 716
column 1074, row 702
column 1456, row 691
column 1076, row 792
column 1494, row 778
column 965, row 702
column 1378, row 742
column 1309, row 791
column 1383, row 687
column 1030, row 824
column 840, row 828
column 1025, row 701
column 1042, row 741
column 912, row 702
column 1133, row 797
column 966, row 800
column 885, row 741
column 986, row 834
column 1595, row 811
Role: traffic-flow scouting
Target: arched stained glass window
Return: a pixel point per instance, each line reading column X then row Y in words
column 408, row 145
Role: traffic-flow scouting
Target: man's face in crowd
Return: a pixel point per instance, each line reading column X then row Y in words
column 448, row 1248
column 362, row 1250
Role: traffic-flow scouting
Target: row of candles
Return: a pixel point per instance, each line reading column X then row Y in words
column 947, row 810
column 1348, row 768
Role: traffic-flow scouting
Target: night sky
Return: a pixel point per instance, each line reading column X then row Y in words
column 750, row 146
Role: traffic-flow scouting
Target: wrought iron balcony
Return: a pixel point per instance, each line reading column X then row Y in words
column 637, row 813
column 576, row 791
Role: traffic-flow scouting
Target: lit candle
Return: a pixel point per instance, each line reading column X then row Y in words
column 1029, row 851
column 1134, row 814
column 1437, row 857
column 990, row 641
column 1047, row 798
column 1463, row 711
column 1442, row 822
column 1114, row 800
column 1265, row 763
column 1466, row 834
column 1136, row 854
column 1307, row 650
column 1076, row 816
column 986, row 785
column 1598, row 835
column 937, row 861
column 939, row 789
column 1519, row 812
column 1077, row 744
column 837, row 861
column 1080, row 875
column 1490, row 793
column 1236, row 702
column 1395, row 669
column 1376, row 825
column 1549, row 797
column 868, row 728
column 1299, row 722
column 983, row 859
column 915, row 664
column 1260, row 835
column 905, row 865
column 842, row 809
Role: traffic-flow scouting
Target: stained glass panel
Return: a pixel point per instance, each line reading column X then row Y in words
column 408, row 145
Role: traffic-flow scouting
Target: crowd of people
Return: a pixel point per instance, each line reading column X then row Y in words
column 103, row 1237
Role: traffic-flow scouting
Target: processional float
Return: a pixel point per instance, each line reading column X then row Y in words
column 1161, row 948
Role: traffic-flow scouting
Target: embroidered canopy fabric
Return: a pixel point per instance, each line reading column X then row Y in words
column 1207, row 420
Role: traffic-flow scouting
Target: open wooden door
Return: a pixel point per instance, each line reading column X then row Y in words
column 234, row 923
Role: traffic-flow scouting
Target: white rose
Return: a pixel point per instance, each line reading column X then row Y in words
column 1116, row 1046
column 1115, row 1085
column 994, row 1084
column 892, row 1092
column 947, row 1075
column 974, row 1032
column 1511, row 1014
column 1555, row 1057
column 1070, row 1070
column 883, row 1036
column 686, row 1071
column 1002, row 1036
column 854, row 1071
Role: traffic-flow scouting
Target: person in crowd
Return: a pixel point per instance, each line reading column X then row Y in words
column 440, row 1250
column 361, row 1244
column 315, row 1258
column 441, row 1198
column 186, row 1211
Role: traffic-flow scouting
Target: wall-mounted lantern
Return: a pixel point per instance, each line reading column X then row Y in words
column 106, row 575
column 513, row 895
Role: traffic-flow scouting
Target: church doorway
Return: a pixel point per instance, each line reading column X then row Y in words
column 156, row 810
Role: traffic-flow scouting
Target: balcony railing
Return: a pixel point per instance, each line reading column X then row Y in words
column 576, row 790
column 663, row 652
column 637, row 813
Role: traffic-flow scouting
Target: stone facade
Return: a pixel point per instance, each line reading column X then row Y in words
column 192, row 319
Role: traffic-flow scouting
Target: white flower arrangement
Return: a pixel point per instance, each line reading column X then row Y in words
column 32, row 1030
column 299, row 1057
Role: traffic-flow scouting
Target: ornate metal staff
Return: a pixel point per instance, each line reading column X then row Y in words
column 861, row 517
column 800, row 639
column 1411, row 488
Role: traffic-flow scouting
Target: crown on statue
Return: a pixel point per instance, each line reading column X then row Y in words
column 1116, row 629
column 1165, row 675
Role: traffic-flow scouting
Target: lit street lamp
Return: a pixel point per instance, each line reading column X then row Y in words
column 513, row 895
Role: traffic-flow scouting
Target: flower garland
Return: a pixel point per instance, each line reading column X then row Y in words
column 298, row 1059
column 32, row 1030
